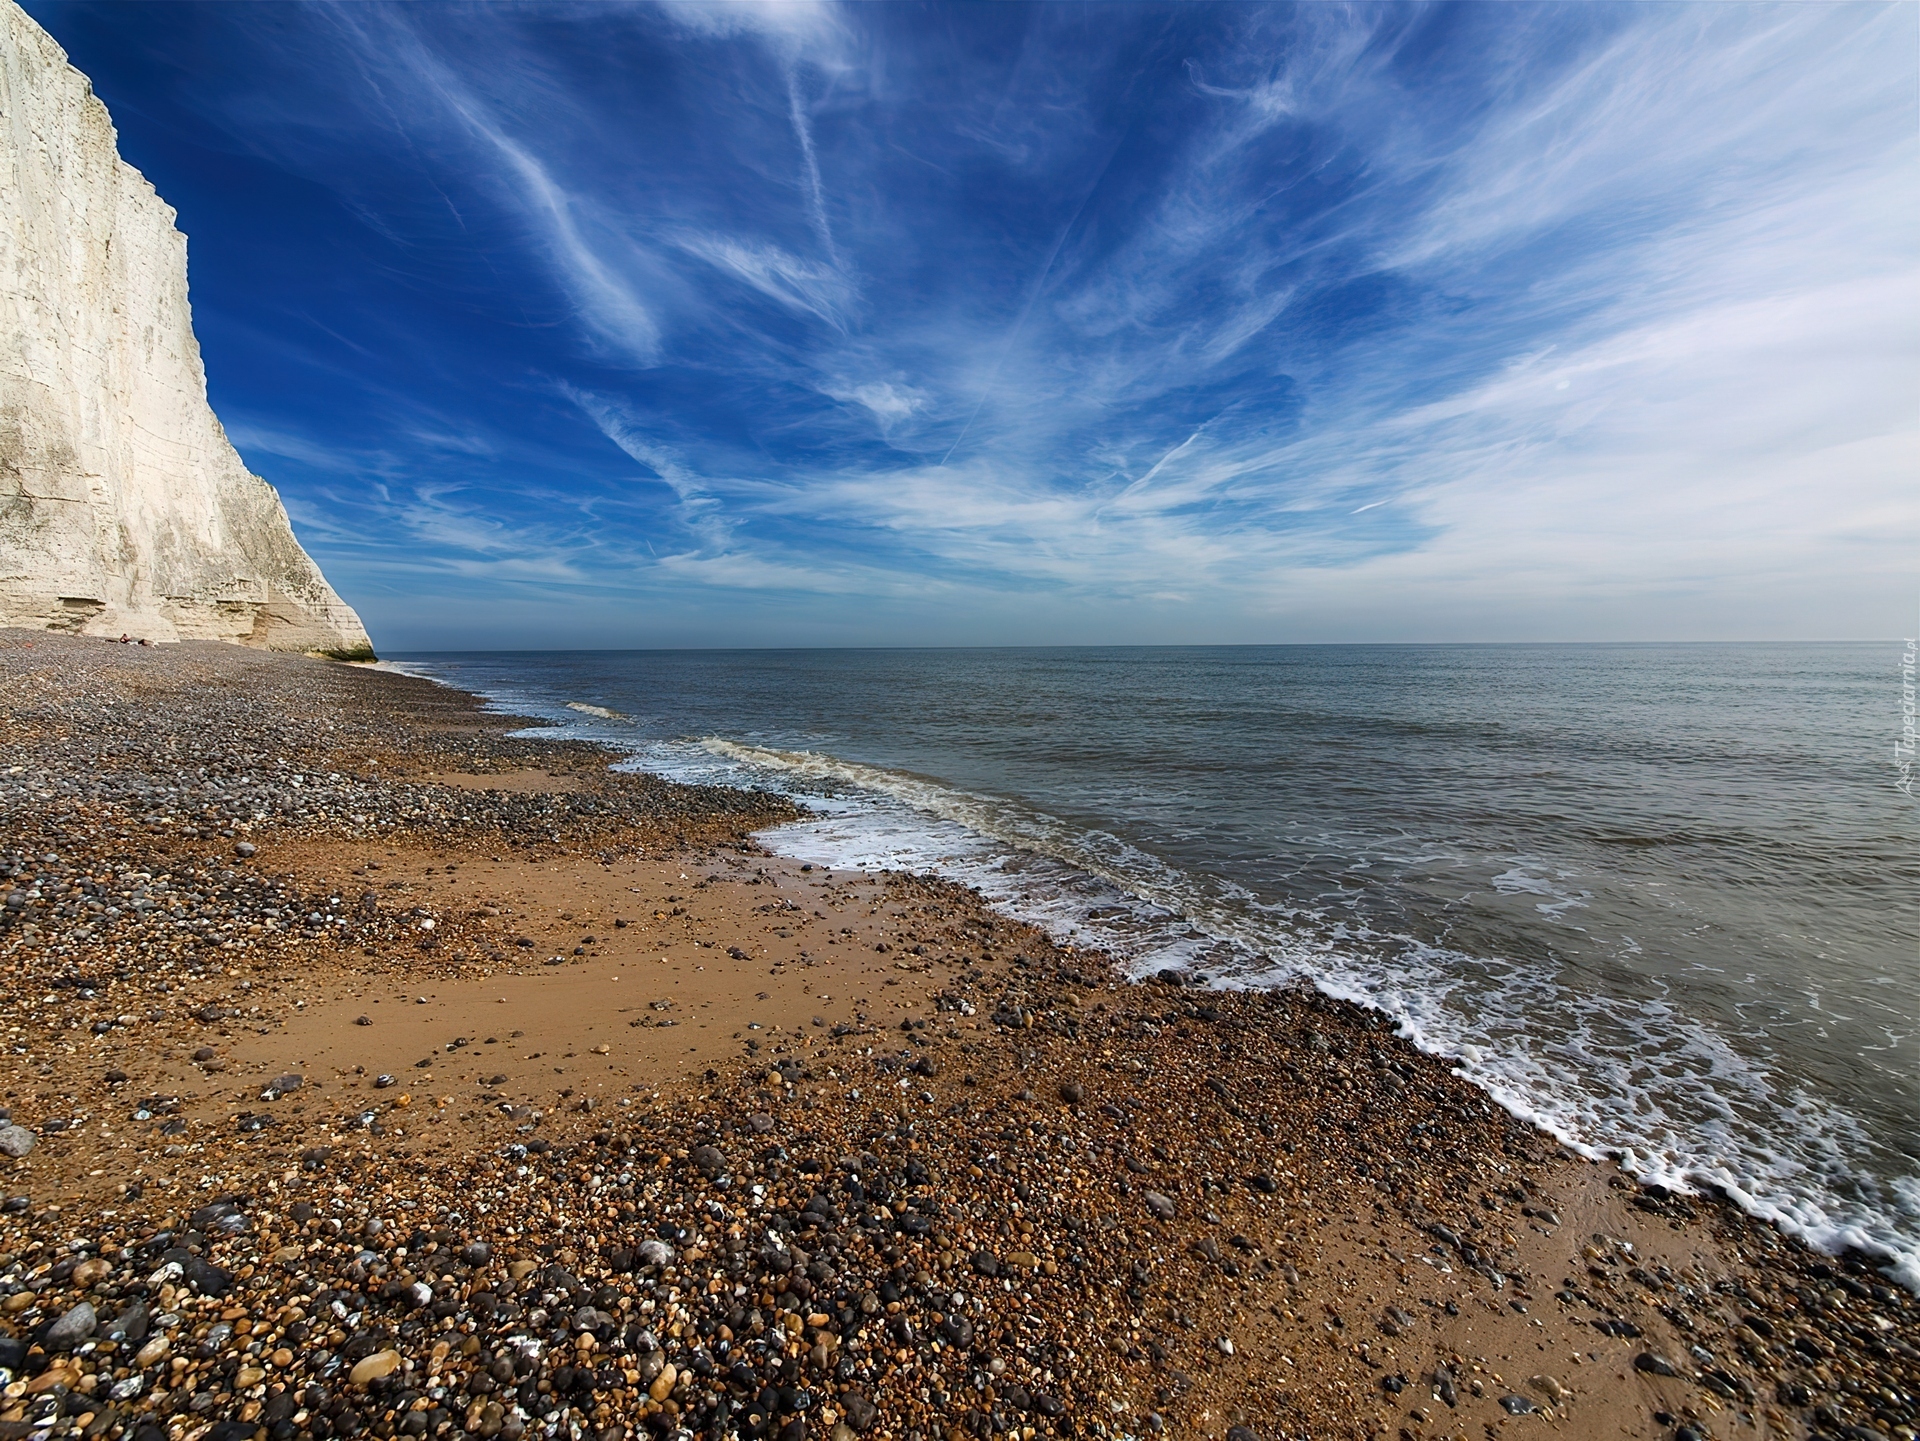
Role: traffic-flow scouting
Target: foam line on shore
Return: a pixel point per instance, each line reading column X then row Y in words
column 1092, row 889
column 1590, row 1106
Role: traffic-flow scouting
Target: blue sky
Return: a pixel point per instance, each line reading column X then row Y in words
column 582, row 325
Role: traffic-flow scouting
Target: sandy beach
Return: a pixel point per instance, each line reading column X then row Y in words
column 374, row 1070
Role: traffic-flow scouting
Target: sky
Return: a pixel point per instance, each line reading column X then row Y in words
column 901, row 324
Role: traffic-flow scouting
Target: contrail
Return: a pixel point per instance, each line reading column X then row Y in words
column 804, row 133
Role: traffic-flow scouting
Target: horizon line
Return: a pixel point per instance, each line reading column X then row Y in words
column 1144, row 645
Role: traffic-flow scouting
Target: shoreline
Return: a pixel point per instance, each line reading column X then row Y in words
column 998, row 1188
column 1063, row 889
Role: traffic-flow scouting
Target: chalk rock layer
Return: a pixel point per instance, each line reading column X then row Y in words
column 123, row 506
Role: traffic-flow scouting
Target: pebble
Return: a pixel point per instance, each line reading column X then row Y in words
column 677, row 1271
column 16, row 1141
column 130, row 1325
column 72, row 1328
column 373, row 1368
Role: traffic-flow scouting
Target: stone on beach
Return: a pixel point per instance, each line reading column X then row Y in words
column 1655, row 1364
column 72, row 1328
column 374, row 1368
column 873, row 1256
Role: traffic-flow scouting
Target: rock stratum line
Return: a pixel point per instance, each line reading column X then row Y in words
column 123, row 506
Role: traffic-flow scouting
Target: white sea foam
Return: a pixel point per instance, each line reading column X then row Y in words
column 598, row 711
column 1671, row 1099
column 413, row 670
column 1663, row 1095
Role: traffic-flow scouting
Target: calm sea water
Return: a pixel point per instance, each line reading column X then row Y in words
column 1659, row 898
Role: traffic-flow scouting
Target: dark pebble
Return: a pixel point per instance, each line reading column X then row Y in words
column 72, row 1328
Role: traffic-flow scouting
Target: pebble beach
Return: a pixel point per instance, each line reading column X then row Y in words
column 376, row 1067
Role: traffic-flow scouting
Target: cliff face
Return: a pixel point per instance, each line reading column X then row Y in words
column 123, row 506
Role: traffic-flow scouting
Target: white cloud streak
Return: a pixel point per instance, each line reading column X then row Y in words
column 607, row 302
column 1655, row 378
column 604, row 292
column 810, row 165
column 798, row 284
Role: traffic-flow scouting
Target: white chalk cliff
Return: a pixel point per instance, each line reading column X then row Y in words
column 123, row 506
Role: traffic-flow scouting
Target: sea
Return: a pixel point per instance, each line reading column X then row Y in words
column 1658, row 899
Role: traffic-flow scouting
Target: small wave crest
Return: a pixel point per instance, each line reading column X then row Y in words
column 1670, row 1098
column 1586, row 1080
column 413, row 671
column 1150, row 893
column 599, row 712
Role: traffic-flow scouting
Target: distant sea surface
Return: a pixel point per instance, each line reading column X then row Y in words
column 1661, row 899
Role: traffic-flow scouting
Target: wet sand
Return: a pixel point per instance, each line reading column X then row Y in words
column 607, row 1121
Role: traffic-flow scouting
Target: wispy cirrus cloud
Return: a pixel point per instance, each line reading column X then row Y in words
column 800, row 285
column 1219, row 322
column 414, row 82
